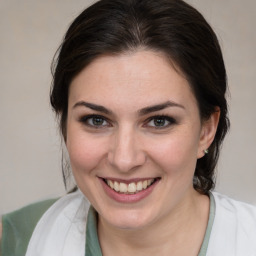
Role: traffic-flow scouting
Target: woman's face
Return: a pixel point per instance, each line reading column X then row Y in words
column 134, row 135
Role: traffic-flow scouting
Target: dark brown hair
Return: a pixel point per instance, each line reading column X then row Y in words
column 170, row 26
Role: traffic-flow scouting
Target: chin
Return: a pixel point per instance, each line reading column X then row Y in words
column 128, row 219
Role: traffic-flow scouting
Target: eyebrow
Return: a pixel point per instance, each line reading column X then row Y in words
column 158, row 107
column 143, row 111
column 93, row 107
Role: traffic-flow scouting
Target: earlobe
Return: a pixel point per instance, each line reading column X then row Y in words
column 209, row 128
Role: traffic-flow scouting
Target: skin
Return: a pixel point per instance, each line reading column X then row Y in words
column 127, row 145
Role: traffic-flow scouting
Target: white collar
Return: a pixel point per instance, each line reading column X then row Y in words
column 61, row 230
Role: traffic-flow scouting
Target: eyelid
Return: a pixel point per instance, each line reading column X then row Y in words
column 171, row 120
column 84, row 120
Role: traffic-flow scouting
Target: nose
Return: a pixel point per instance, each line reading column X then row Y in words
column 126, row 152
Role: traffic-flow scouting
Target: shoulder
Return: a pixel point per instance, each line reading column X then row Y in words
column 18, row 226
column 62, row 226
column 234, row 227
column 32, row 210
column 1, row 230
column 242, row 211
column 26, row 217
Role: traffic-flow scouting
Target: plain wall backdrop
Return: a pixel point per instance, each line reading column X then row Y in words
column 30, row 150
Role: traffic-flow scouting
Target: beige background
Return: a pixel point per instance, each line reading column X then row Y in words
column 30, row 32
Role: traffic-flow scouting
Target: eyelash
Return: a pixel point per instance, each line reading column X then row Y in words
column 170, row 121
column 86, row 119
column 162, row 118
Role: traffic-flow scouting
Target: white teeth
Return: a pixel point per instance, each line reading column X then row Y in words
column 145, row 184
column 131, row 187
column 150, row 182
column 116, row 186
column 139, row 186
column 123, row 187
column 111, row 184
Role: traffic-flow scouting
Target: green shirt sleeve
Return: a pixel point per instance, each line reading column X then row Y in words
column 18, row 227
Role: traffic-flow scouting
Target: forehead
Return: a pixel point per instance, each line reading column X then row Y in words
column 141, row 78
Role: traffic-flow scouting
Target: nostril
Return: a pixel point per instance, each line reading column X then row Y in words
column 125, row 153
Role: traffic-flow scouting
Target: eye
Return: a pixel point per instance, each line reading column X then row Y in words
column 160, row 122
column 95, row 121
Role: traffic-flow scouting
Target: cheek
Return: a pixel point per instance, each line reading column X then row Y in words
column 85, row 152
column 176, row 153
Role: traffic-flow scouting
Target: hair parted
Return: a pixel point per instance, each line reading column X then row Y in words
column 172, row 27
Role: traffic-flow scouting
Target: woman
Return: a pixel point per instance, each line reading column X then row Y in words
column 139, row 87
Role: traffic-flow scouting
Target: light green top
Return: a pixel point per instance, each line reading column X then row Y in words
column 18, row 227
column 207, row 235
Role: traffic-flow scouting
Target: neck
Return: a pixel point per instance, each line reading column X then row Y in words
column 185, row 225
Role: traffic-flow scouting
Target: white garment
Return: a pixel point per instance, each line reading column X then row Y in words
column 61, row 230
column 234, row 228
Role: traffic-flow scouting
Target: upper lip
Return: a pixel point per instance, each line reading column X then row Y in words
column 128, row 181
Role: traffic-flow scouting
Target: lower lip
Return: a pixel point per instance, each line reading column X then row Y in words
column 128, row 198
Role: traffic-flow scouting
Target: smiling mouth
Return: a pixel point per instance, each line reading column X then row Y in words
column 130, row 188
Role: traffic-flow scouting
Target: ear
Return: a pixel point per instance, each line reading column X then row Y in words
column 208, row 131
